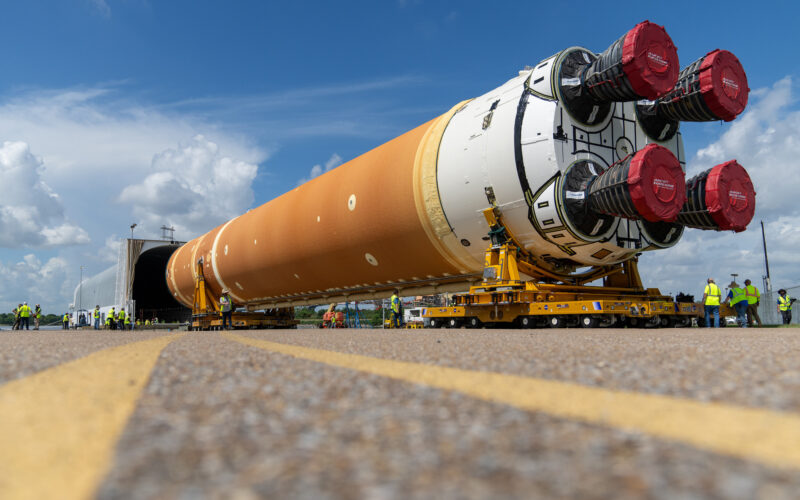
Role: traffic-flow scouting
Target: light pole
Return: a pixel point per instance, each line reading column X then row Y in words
column 80, row 299
column 132, row 226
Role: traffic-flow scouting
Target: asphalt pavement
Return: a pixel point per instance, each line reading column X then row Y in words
column 570, row 413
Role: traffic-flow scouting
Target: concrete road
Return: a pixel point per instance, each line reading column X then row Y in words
column 681, row 413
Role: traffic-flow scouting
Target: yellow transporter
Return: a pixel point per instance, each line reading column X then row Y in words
column 502, row 297
column 206, row 314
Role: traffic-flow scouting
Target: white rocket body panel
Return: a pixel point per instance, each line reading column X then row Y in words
column 485, row 142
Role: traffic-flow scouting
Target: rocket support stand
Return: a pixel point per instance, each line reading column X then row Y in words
column 556, row 299
column 206, row 314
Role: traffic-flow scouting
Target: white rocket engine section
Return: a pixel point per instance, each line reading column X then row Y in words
column 587, row 169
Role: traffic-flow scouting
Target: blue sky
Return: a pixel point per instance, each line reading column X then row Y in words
column 108, row 102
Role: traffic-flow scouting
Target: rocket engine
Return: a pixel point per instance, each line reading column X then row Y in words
column 582, row 154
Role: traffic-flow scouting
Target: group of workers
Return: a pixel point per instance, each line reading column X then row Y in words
column 22, row 316
column 114, row 320
column 744, row 301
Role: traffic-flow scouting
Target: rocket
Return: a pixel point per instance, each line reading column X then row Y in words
column 581, row 153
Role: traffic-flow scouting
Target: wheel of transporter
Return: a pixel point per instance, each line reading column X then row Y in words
column 556, row 322
column 525, row 322
column 474, row 323
column 435, row 323
column 588, row 321
column 453, row 323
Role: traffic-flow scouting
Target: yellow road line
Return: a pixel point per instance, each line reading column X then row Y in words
column 59, row 427
column 770, row 437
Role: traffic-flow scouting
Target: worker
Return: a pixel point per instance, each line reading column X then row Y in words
column 108, row 322
column 147, row 322
column 785, row 306
column 25, row 316
column 15, row 312
column 96, row 316
column 121, row 318
column 65, row 321
column 711, row 297
column 226, row 308
column 753, row 301
column 738, row 301
column 37, row 316
column 112, row 316
column 127, row 320
column 394, row 302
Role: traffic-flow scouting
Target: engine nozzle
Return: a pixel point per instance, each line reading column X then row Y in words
column 721, row 198
column 648, row 184
column 712, row 88
column 643, row 63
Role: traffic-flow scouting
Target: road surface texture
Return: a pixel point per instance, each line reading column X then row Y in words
column 383, row 414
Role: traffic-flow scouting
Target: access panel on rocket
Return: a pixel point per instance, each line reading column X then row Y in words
column 581, row 153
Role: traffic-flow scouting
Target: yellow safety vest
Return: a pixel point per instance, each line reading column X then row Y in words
column 713, row 294
column 395, row 301
column 25, row 312
column 66, row 318
column 737, row 296
column 784, row 303
column 752, row 294
column 96, row 313
column 121, row 315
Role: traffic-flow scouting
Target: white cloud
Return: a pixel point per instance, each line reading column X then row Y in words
column 102, row 7
column 766, row 141
column 193, row 188
column 334, row 161
column 35, row 282
column 31, row 214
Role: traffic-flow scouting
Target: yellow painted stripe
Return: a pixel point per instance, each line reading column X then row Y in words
column 770, row 437
column 59, row 427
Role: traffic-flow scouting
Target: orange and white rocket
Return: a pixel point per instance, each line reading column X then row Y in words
column 581, row 153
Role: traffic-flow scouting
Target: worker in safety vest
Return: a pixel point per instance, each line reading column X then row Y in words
column 121, row 318
column 25, row 316
column 96, row 316
column 226, row 308
column 753, row 301
column 785, row 306
column 15, row 312
column 112, row 319
column 738, row 301
column 65, row 321
column 37, row 316
column 394, row 302
column 127, row 320
column 711, row 297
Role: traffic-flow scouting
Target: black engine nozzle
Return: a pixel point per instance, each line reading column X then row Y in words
column 642, row 64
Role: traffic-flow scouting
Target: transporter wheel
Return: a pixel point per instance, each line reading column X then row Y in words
column 634, row 322
column 474, row 323
column 666, row 322
column 588, row 321
column 453, row 323
column 525, row 322
column 435, row 323
column 556, row 322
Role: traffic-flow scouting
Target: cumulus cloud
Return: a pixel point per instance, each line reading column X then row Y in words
column 35, row 282
column 31, row 213
column 334, row 161
column 193, row 187
column 766, row 141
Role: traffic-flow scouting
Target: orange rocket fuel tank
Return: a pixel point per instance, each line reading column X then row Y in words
column 368, row 224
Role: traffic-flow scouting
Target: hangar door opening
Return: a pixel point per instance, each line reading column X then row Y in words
column 149, row 289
